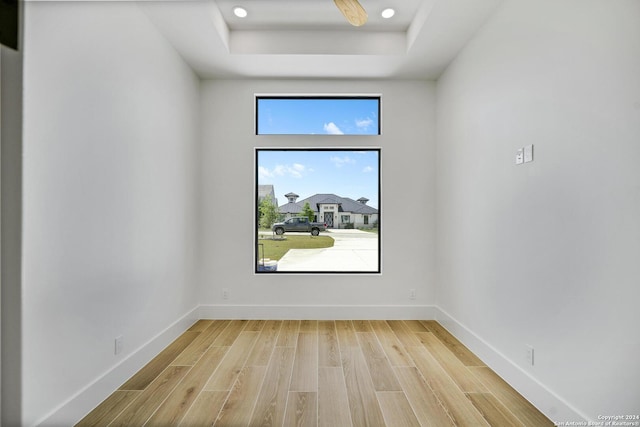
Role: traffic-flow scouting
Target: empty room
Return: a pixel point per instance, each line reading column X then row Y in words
column 475, row 227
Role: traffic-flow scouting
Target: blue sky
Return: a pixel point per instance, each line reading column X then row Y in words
column 346, row 173
column 354, row 116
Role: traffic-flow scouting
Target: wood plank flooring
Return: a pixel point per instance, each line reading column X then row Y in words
column 315, row 373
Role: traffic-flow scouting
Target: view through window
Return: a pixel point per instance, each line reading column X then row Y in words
column 332, row 115
column 317, row 210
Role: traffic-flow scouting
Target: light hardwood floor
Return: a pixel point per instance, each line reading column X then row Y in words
column 315, row 373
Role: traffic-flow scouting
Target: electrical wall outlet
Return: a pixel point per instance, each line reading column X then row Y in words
column 117, row 348
column 412, row 294
column 529, row 354
column 225, row 293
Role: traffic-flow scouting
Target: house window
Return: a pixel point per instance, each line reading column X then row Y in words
column 335, row 186
column 317, row 115
column 366, row 219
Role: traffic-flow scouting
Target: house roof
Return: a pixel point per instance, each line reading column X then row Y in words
column 291, row 208
column 345, row 204
column 265, row 190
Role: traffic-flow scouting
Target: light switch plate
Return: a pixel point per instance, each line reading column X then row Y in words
column 520, row 156
column 528, row 153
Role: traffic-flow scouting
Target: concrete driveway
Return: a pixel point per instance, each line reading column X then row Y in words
column 353, row 250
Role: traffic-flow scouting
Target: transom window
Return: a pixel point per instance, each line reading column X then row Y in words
column 317, row 115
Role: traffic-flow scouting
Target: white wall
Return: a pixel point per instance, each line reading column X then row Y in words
column 11, row 216
column 110, row 194
column 546, row 253
column 408, row 184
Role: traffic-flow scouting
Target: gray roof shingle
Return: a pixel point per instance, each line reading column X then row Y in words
column 291, row 208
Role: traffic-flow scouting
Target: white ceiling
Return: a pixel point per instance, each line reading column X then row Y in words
column 311, row 38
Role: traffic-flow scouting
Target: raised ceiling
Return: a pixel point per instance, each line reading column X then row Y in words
column 311, row 38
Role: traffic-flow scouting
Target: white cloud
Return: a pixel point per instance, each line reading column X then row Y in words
column 364, row 123
column 367, row 169
column 332, row 129
column 264, row 173
column 296, row 170
column 341, row 161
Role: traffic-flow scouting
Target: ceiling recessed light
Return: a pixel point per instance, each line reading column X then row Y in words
column 240, row 12
column 388, row 13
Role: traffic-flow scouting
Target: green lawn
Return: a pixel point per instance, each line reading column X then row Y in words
column 276, row 248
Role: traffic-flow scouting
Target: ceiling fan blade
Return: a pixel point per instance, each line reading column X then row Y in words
column 353, row 11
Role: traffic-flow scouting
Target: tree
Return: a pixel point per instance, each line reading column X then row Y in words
column 268, row 213
column 308, row 212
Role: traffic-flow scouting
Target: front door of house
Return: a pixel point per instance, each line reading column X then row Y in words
column 328, row 219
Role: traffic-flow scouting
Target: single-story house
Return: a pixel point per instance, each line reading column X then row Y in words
column 334, row 211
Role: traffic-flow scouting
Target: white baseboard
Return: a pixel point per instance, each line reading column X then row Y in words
column 550, row 404
column 318, row 312
column 75, row 408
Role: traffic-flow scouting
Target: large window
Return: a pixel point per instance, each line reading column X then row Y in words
column 317, row 210
column 322, row 115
